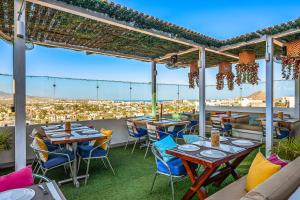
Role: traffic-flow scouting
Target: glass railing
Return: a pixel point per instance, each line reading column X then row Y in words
column 51, row 99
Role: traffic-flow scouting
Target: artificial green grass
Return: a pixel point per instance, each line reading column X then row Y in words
column 133, row 179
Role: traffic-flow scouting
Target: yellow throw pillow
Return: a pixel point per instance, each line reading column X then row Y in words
column 261, row 169
column 108, row 133
column 40, row 144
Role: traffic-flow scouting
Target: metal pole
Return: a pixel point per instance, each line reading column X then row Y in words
column 297, row 98
column 201, row 66
column 19, row 66
column 154, row 74
column 269, row 94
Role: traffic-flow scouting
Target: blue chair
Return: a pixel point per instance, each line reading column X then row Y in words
column 89, row 152
column 135, row 133
column 224, row 127
column 57, row 158
column 189, row 139
column 279, row 132
column 174, row 169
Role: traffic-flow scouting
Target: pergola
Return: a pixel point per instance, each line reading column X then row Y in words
column 102, row 27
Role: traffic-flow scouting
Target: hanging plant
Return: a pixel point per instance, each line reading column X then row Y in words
column 291, row 61
column 225, row 71
column 247, row 68
column 194, row 74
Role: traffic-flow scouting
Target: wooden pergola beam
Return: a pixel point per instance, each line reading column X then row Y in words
column 92, row 50
column 261, row 39
column 107, row 20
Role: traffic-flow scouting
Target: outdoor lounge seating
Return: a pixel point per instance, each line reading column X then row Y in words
column 90, row 152
column 58, row 158
column 174, row 169
column 278, row 187
column 135, row 133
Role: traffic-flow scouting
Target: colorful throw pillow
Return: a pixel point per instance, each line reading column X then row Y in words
column 163, row 145
column 276, row 160
column 18, row 179
column 108, row 134
column 40, row 144
column 260, row 170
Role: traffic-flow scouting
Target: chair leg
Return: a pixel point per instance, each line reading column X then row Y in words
column 172, row 187
column 87, row 170
column 134, row 146
column 112, row 169
column 127, row 143
column 153, row 182
column 147, row 149
column 79, row 161
column 103, row 163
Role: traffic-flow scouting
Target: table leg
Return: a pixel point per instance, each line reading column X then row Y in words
column 75, row 180
column 197, row 182
column 233, row 171
column 192, row 175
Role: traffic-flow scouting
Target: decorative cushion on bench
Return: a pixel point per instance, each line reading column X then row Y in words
column 279, row 186
column 261, row 169
column 18, row 179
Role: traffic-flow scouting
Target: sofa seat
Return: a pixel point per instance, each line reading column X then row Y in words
column 233, row 191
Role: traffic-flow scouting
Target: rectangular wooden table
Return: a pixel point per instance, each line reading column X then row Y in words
column 162, row 123
column 232, row 117
column 73, row 137
column 212, row 172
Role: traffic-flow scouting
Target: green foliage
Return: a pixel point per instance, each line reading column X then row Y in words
column 288, row 149
column 5, row 139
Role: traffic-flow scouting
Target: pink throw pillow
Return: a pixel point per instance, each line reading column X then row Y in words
column 276, row 160
column 18, row 179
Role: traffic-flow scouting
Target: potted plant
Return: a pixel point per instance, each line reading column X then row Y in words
column 288, row 149
column 5, row 139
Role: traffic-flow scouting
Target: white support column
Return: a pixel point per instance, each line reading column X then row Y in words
column 269, row 94
column 297, row 98
column 201, row 91
column 154, row 86
column 19, row 65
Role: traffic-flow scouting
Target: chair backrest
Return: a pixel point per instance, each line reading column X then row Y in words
column 131, row 128
column 152, row 133
column 39, row 132
column 216, row 122
column 275, row 128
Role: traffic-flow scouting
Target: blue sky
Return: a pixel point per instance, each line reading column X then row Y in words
column 221, row 19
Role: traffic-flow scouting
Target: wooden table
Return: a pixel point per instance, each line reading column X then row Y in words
column 73, row 138
column 169, row 122
column 232, row 117
column 164, row 122
column 53, row 192
column 212, row 172
column 282, row 120
column 191, row 114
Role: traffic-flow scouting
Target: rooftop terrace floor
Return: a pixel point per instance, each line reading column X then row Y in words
column 133, row 178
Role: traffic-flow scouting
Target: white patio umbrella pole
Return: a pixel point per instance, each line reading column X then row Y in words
column 19, row 83
column 297, row 98
column 153, row 82
column 269, row 94
column 201, row 91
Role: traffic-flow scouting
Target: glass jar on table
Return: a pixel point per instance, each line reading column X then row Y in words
column 215, row 137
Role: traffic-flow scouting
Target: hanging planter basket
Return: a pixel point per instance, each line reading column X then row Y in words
column 291, row 62
column 194, row 75
column 247, row 68
column 225, row 71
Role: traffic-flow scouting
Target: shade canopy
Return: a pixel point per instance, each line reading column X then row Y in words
column 104, row 27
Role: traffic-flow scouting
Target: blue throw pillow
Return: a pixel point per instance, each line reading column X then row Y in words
column 163, row 145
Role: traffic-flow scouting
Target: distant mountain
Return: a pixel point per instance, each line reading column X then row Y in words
column 5, row 95
column 259, row 95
